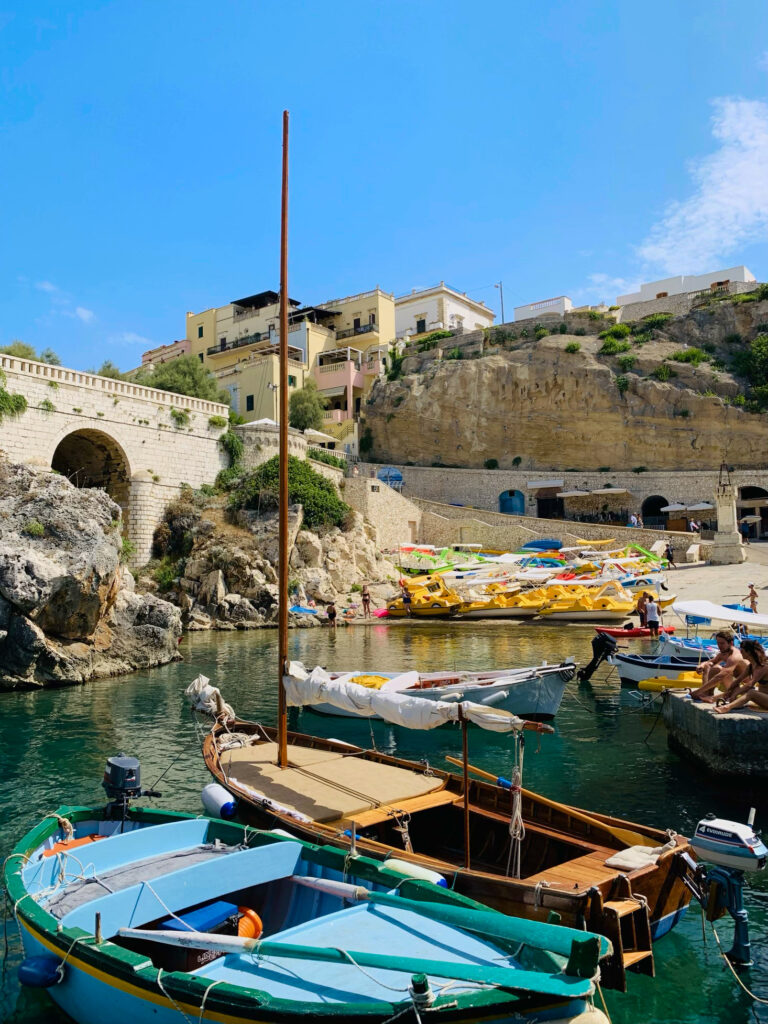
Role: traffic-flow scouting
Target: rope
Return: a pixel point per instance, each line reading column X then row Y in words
column 168, row 909
column 602, row 1000
column 170, row 998
column 516, row 823
column 213, row 984
column 757, row 999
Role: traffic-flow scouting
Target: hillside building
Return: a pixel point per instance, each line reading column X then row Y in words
column 439, row 308
column 716, row 280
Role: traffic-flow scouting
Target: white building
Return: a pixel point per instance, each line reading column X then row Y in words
column 560, row 305
column 441, row 307
column 686, row 283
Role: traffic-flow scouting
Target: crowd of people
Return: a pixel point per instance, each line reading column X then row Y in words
column 739, row 673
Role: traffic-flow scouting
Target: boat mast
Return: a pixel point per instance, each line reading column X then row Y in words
column 282, row 724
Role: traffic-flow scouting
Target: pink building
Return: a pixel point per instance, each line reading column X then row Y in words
column 163, row 353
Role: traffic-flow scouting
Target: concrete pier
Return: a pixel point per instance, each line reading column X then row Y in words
column 732, row 744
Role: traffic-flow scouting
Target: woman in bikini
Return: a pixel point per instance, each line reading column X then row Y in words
column 754, row 689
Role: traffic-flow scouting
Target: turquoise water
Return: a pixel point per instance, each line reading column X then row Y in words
column 608, row 754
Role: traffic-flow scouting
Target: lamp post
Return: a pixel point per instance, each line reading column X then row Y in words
column 501, row 297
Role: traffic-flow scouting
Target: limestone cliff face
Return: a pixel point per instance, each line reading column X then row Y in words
column 68, row 610
column 552, row 409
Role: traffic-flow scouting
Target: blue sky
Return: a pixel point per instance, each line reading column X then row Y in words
column 559, row 147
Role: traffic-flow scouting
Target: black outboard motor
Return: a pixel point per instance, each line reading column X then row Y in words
column 122, row 782
column 603, row 646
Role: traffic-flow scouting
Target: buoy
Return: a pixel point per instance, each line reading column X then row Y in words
column 408, row 870
column 41, row 971
column 217, row 802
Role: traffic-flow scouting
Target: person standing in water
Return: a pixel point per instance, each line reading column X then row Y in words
column 365, row 596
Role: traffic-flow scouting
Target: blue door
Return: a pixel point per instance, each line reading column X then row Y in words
column 512, row 503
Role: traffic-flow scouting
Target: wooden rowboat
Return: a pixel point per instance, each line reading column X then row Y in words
column 411, row 810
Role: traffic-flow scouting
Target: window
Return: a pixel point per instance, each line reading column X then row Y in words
column 249, row 403
column 421, row 326
column 291, row 381
column 199, row 330
column 222, row 344
column 371, row 318
column 662, row 295
column 356, row 323
column 200, row 356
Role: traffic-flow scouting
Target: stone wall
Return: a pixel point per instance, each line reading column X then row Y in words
column 396, row 519
column 145, row 453
column 732, row 744
column 481, row 488
column 677, row 304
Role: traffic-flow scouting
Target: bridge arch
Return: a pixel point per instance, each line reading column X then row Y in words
column 92, row 458
column 651, row 508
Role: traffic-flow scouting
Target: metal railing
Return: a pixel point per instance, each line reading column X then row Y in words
column 350, row 332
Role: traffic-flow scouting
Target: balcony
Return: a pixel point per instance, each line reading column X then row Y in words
column 335, row 415
column 351, row 332
column 259, row 344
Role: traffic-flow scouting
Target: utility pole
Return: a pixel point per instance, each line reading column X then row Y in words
column 500, row 286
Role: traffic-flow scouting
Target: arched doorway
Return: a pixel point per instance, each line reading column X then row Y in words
column 90, row 458
column 753, row 501
column 651, row 512
column 512, row 503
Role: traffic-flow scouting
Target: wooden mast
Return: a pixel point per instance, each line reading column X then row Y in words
column 465, row 762
column 282, row 723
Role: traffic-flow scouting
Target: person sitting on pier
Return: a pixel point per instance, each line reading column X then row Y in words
column 724, row 668
column 754, row 682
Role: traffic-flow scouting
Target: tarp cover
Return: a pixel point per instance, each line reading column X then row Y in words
column 708, row 610
column 317, row 687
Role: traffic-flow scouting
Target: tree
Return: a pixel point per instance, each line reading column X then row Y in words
column 305, row 407
column 108, row 369
column 184, row 376
column 22, row 350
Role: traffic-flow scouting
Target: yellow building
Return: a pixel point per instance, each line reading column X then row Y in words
column 343, row 344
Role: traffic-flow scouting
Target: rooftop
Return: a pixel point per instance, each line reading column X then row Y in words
column 441, row 287
column 262, row 299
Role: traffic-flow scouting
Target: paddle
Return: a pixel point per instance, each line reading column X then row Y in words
column 562, row 985
column 625, row 835
column 489, row 924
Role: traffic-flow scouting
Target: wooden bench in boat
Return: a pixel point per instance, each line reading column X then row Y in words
column 325, row 785
column 438, row 798
column 579, row 873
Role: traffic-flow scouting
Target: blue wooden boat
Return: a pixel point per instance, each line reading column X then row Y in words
column 155, row 914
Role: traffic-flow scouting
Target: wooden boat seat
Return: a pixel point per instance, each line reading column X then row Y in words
column 338, row 787
column 439, row 798
column 266, row 753
column 579, row 873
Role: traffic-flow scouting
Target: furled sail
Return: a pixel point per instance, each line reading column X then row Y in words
column 317, row 687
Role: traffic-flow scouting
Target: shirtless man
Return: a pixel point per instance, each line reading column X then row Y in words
column 726, row 666
column 754, row 687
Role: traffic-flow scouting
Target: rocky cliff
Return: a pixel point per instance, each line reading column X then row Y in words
column 532, row 403
column 68, row 610
column 228, row 580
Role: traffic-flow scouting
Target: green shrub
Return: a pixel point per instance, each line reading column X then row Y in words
column 173, row 535
column 454, row 353
column 53, row 385
column 430, row 341
column 491, row 463
column 626, row 362
column 217, row 422
column 708, row 393
column 663, row 372
column 180, row 418
column 580, row 332
column 739, row 400
column 127, row 550
column 717, row 364
column 399, row 399
column 612, row 347
column 233, row 445
column 47, row 406
column 321, row 455
column 733, row 339
column 322, row 505
column 752, row 362
column 604, row 469
column 612, row 308
column 540, row 332
column 366, row 441
column 395, row 370
column 594, row 315
column 33, row 528
column 166, row 573
column 573, row 346
column 563, row 328
column 622, row 383
column 525, row 333
column 516, row 461
column 616, row 331
column 685, row 413
column 10, row 404
column 761, row 329
column 694, row 356
column 640, row 469
column 226, row 479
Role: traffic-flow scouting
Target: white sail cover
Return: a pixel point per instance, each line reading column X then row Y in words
column 207, row 699
column 317, row 687
column 708, row 610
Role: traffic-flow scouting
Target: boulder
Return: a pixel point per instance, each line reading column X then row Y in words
column 309, row 548
column 212, row 589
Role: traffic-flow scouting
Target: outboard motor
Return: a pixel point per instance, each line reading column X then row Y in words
column 603, row 646
column 731, row 849
column 122, row 782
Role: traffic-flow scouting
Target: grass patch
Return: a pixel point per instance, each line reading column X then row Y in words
column 612, row 347
column 180, row 418
column 320, row 455
column 33, row 528
column 693, row 356
column 217, row 422
column 663, row 372
column 622, row 383
column 573, row 346
column 626, row 362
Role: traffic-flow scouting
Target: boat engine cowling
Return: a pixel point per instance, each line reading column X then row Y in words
column 603, row 646
column 729, row 844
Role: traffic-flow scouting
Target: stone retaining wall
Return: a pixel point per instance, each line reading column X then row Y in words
column 732, row 744
column 396, row 519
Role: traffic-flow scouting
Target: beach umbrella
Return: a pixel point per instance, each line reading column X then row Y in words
column 701, row 506
column 674, row 507
column 751, row 519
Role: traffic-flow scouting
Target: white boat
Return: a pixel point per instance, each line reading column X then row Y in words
column 526, row 692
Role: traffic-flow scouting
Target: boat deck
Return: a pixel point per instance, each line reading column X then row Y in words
column 324, row 785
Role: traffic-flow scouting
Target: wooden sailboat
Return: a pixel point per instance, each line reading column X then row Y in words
column 333, row 793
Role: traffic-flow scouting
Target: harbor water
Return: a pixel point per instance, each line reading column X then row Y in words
column 609, row 753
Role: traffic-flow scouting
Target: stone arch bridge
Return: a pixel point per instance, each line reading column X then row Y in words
column 138, row 443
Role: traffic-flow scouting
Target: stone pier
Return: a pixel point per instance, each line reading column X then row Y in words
column 732, row 744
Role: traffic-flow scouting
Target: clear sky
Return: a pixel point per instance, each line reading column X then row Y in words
column 561, row 147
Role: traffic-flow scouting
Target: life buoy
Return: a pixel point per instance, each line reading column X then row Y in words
column 249, row 926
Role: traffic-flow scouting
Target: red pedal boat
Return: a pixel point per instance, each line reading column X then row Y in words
column 635, row 631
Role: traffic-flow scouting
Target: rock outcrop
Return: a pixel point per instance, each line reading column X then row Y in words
column 68, row 608
column 229, row 578
column 534, row 404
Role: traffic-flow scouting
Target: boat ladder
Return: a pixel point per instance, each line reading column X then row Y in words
column 627, row 924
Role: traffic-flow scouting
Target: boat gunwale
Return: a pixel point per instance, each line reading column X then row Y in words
column 227, row 1002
